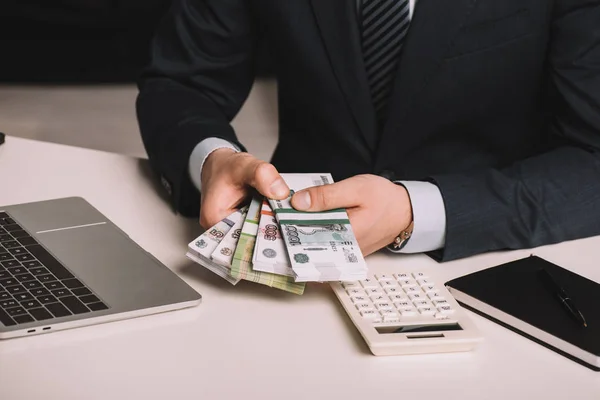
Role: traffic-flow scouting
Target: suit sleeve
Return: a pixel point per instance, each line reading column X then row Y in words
column 200, row 74
column 553, row 196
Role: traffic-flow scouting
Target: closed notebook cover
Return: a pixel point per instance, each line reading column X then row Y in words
column 516, row 289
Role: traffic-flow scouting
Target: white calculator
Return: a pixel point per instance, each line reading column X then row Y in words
column 406, row 312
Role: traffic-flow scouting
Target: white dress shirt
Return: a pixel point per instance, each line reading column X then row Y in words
column 429, row 214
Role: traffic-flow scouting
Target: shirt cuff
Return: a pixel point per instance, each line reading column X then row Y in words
column 201, row 152
column 429, row 217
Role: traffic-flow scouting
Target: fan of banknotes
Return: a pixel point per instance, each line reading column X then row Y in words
column 271, row 243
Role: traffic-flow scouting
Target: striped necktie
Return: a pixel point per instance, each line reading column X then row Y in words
column 384, row 24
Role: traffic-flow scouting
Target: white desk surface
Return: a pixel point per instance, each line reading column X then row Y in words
column 250, row 341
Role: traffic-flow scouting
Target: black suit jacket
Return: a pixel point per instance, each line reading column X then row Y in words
column 496, row 102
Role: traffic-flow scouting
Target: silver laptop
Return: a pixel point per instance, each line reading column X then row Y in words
column 63, row 265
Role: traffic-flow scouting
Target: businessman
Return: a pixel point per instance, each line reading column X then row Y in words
column 451, row 127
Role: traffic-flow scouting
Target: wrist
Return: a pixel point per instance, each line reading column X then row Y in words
column 406, row 223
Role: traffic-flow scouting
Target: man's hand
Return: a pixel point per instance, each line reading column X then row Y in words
column 378, row 209
column 228, row 178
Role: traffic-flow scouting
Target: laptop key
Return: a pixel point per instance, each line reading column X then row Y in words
column 30, row 304
column 72, row 283
column 74, row 305
column 32, row 264
column 5, row 238
column 54, row 285
column 47, row 299
column 39, row 271
column 6, row 319
column 9, row 244
column 25, row 257
column 12, row 227
column 6, row 256
column 97, row 306
column 19, row 234
column 17, row 270
column 58, row 310
column 6, row 220
column 49, row 262
column 15, row 251
column 39, row 292
column 25, row 277
column 40, row 314
column 5, row 295
column 32, row 285
column 15, row 311
column 5, row 274
column 61, row 292
column 82, row 291
column 90, row 298
column 10, row 264
column 23, row 319
column 8, row 303
column 8, row 282
column 23, row 296
column 26, row 241
column 47, row 278
column 18, row 289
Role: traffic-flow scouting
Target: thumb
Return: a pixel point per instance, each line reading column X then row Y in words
column 342, row 194
column 265, row 178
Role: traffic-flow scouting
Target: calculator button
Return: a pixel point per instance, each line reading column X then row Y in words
column 364, row 306
column 389, row 315
column 412, row 290
column 355, row 292
column 374, row 292
column 378, row 298
column 435, row 296
column 408, row 312
column 429, row 288
column 398, row 297
column 388, row 283
column 440, row 303
column 403, row 304
column 422, row 303
column 425, row 282
column 369, row 283
column 446, row 310
column 359, row 299
column 416, row 296
column 402, row 276
column 384, row 306
column 370, row 314
column 419, row 275
column 351, row 285
column 383, row 277
column 427, row 310
column 392, row 291
column 406, row 283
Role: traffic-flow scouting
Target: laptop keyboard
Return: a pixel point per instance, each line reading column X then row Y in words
column 35, row 286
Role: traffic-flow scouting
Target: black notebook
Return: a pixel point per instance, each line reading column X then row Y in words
column 514, row 296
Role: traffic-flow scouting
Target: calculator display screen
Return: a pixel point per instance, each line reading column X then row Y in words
column 419, row 328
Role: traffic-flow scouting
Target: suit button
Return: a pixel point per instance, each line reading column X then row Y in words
column 388, row 174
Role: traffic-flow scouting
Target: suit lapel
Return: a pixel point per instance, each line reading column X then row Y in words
column 433, row 27
column 337, row 21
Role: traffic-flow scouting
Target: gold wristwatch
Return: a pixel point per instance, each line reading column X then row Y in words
column 402, row 238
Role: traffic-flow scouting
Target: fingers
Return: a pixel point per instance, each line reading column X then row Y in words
column 263, row 177
column 343, row 194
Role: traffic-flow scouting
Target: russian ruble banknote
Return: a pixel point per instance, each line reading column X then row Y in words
column 321, row 246
column 201, row 249
column 242, row 266
column 270, row 254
